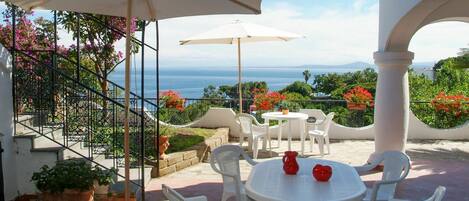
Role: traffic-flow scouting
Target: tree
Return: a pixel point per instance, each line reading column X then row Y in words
column 248, row 88
column 464, row 51
column 298, row 87
column 336, row 84
column 32, row 41
column 306, row 75
column 98, row 42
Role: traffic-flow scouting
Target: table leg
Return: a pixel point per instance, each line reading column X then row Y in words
column 268, row 137
column 264, row 140
column 279, row 138
column 302, row 136
column 289, row 135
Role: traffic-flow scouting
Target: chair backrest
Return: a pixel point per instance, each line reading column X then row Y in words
column 438, row 195
column 396, row 168
column 245, row 122
column 225, row 160
column 318, row 114
column 171, row 194
column 327, row 122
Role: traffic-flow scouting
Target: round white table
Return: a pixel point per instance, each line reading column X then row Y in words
column 278, row 116
column 268, row 182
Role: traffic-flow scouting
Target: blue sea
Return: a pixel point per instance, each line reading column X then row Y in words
column 191, row 81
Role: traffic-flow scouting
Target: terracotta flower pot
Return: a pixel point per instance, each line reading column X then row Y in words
column 285, row 111
column 76, row 195
column 356, row 106
column 121, row 197
column 100, row 189
column 69, row 195
column 163, row 146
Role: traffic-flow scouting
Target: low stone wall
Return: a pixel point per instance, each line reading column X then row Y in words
column 225, row 117
column 191, row 156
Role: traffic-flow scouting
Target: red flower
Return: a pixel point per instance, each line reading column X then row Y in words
column 359, row 95
column 266, row 100
column 172, row 99
column 451, row 104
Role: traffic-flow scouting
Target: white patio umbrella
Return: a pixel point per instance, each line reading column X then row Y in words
column 237, row 33
column 145, row 10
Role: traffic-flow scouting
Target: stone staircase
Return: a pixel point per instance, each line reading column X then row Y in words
column 37, row 150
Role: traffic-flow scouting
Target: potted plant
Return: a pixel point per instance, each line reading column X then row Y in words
column 103, row 178
column 283, row 107
column 70, row 180
column 163, row 143
column 163, row 146
column 358, row 98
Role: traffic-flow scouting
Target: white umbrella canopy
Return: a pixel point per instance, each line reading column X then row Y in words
column 245, row 32
column 144, row 10
column 237, row 33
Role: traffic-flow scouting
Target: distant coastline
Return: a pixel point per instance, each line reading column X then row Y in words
column 190, row 81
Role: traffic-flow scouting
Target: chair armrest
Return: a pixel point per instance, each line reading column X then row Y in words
column 364, row 169
column 249, row 159
column 259, row 124
column 215, row 168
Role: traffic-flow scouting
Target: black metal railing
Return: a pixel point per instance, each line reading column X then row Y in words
column 77, row 114
column 63, row 96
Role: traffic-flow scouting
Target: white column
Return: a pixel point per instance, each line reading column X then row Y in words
column 391, row 118
column 6, row 126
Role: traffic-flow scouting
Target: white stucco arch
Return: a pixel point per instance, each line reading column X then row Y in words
column 401, row 28
column 399, row 21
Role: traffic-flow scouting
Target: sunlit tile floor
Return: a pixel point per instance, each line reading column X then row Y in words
column 434, row 163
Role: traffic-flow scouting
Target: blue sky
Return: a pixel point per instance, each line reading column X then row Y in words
column 337, row 32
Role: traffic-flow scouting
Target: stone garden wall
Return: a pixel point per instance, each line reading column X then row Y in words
column 191, row 156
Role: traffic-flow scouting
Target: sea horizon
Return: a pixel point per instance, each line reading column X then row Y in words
column 191, row 81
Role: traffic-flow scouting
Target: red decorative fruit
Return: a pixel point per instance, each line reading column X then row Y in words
column 322, row 172
column 290, row 166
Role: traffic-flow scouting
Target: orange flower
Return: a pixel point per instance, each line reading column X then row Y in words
column 451, row 104
column 359, row 95
column 266, row 100
column 172, row 99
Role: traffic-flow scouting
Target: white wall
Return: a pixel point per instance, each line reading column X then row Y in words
column 6, row 124
column 29, row 162
column 225, row 117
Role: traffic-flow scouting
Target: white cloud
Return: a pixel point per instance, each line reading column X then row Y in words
column 438, row 41
column 334, row 36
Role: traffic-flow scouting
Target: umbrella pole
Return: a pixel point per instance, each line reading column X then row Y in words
column 127, row 100
column 240, row 89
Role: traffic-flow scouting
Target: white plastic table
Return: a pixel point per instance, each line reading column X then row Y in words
column 268, row 182
column 278, row 116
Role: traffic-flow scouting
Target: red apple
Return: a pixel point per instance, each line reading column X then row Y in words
column 322, row 172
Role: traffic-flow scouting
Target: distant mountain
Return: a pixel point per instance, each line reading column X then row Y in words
column 354, row 65
column 359, row 65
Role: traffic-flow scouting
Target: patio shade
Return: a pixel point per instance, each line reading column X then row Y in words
column 144, row 10
column 237, row 33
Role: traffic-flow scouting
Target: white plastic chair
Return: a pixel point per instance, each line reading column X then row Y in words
column 172, row 195
column 321, row 135
column 396, row 168
column 225, row 160
column 316, row 113
column 254, row 131
column 437, row 195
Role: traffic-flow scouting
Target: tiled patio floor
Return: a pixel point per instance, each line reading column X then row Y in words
column 433, row 163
